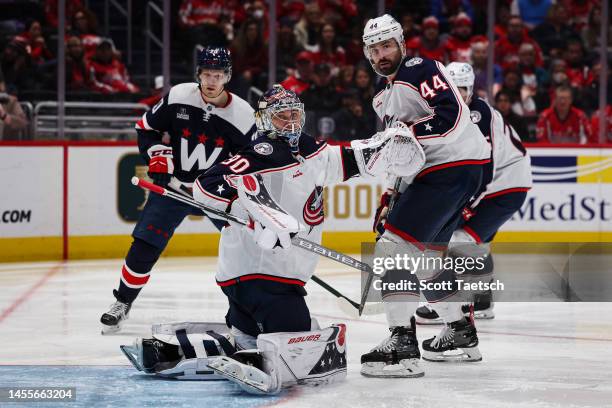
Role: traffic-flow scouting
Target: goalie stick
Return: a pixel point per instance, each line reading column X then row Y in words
column 305, row 244
column 370, row 278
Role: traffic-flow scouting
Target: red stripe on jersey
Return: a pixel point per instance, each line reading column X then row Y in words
column 262, row 277
column 405, row 236
column 452, row 164
column 507, row 191
column 134, row 279
column 140, row 124
column 473, row 234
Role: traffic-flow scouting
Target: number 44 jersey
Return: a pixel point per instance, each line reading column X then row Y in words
column 422, row 96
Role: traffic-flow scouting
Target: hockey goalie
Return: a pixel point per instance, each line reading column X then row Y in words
column 277, row 184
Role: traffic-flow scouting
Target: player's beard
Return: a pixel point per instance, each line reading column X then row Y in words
column 389, row 67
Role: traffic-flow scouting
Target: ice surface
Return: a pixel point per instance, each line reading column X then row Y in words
column 535, row 355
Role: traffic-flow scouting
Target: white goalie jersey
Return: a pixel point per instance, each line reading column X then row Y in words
column 293, row 182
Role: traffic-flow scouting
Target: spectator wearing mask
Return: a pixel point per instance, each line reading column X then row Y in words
column 562, row 122
column 480, row 50
column 327, row 51
column 429, row 44
column 110, row 74
column 12, row 118
column 504, row 105
column 322, row 96
column 459, row 44
column 507, row 48
column 301, row 79
column 307, row 29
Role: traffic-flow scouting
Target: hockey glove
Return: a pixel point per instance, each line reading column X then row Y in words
column 161, row 164
column 268, row 239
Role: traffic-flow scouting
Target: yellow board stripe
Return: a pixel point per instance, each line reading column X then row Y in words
column 116, row 246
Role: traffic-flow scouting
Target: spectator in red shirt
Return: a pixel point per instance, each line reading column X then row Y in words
column 85, row 26
column 579, row 11
column 327, row 51
column 249, row 53
column 193, row 13
column 109, row 72
column 563, row 123
column 34, row 39
column 595, row 125
column 507, row 48
column 578, row 72
column 51, row 10
column 301, row 79
column 428, row 45
column 459, row 42
column 79, row 75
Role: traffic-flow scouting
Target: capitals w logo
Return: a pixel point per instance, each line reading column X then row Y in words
column 198, row 155
column 313, row 209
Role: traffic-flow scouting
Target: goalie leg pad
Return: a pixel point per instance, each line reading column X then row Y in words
column 312, row 358
column 180, row 350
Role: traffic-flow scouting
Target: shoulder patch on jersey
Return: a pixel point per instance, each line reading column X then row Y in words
column 413, row 61
column 475, row 116
column 263, row 148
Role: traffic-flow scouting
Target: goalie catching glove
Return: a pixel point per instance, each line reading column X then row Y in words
column 395, row 150
column 161, row 164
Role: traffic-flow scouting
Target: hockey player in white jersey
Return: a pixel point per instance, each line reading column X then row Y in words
column 504, row 189
column 277, row 183
column 419, row 93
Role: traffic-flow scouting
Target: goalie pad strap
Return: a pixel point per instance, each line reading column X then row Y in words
column 186, row 346
column 227, row 347
column 210, row 347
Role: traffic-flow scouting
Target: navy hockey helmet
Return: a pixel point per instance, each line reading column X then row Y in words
column 218, row 58
column 280, row 114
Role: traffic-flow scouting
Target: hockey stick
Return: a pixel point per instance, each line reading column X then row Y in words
column 370, row 278
column 298, row 241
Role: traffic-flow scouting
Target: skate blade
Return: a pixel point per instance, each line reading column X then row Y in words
column 484, row 315
column 106, row 330
column 228, row 369
column 460, row 355
column 132, row 353
column 408, row 368
column 428, row 322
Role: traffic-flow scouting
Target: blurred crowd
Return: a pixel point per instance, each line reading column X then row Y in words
column 546, row 73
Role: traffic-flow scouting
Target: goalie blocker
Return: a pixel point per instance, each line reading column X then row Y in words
column 198, row 351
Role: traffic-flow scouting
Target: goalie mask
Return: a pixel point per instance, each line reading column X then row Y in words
column 280, row 114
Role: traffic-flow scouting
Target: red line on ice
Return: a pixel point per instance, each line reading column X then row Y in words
column 28, row 293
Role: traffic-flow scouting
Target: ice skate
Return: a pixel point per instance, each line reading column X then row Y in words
column 456, row 342
column 397, row 356
column 117, row 314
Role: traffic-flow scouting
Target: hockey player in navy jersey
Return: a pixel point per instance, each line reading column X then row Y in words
column 419, row 93
column 194, row 126
column 277, row 182
column 504, row 189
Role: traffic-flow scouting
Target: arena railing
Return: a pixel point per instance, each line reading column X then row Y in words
column 88, row 119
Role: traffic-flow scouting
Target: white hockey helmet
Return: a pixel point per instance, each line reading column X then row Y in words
column 462, row 75
column 380, row 29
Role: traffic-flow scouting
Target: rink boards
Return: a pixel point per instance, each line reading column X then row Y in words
column 74, row 200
